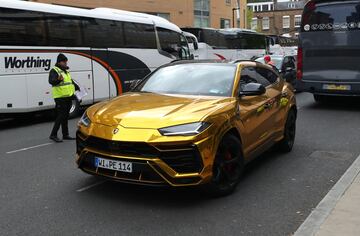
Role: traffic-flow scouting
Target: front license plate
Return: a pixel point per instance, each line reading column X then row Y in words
column 122, row 166
column 337, row 87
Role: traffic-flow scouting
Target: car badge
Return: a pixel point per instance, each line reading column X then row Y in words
column 116, row 131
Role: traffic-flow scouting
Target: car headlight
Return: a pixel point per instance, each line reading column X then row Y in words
column 190, row 129
column 85, row 120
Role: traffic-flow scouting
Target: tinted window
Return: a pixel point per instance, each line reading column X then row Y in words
column 97, row 31
column 210, row 80
column 265, row 76
column 248, row 75
column 22, row 28
column 252, row 41
column 328, row 16
column 139, row 35
column 215, row 39
column 64, row 31
column 170, row 41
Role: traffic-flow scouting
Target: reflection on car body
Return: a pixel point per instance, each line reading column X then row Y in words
column 189, row 123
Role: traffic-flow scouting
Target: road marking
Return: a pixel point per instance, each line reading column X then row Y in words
column 323, row 210
column 90, row 186
column 28, row 148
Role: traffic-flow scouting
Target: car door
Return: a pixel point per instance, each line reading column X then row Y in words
column 253, row 114
column 274, row 87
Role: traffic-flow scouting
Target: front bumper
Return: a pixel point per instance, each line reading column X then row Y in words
column 175, row 164
column 316, row 87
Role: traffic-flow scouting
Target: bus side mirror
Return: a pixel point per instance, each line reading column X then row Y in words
column 196, row 46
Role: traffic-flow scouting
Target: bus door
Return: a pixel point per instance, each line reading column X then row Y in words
column 102, row 78
column 81, row 71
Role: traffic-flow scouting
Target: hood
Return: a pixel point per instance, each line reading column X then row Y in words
column 153, row 111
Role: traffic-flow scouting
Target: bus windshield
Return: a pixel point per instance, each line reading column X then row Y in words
column 333, row 16
column 228, row 39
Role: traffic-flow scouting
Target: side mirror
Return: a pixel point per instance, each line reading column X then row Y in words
column 252, row 89
column 196, row 46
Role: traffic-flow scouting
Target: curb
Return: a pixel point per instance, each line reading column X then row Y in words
column 317, row 217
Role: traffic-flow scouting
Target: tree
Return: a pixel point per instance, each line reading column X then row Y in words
column 249, row 16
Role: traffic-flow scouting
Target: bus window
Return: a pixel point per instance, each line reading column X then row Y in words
column 170, row 41
column 252, row 41
column 96, row 33
column 139, row 35
column 64, row 31
column 24, row 28
column 328, row 17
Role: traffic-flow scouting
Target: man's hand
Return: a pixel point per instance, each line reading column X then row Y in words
column 60, row 78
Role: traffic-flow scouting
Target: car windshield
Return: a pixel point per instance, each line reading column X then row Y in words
column 277, row 61
column 192, row 79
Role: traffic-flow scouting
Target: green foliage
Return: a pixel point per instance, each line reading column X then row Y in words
column 249, row 16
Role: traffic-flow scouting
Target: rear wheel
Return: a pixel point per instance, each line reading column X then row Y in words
column 228, row 167
column 287, row 143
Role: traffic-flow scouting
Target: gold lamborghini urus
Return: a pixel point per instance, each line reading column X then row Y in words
column 189, row 123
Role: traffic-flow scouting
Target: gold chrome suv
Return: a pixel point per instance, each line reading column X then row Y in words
column 189, row 123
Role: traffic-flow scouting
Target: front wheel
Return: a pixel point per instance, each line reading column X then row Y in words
column 228, row 167
column 287, row 143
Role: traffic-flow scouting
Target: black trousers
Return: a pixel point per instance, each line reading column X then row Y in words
column 62, row 110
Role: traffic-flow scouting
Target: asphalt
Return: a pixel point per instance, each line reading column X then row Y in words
column 43, row 193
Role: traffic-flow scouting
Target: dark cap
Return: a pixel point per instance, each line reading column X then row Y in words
column 61, row 57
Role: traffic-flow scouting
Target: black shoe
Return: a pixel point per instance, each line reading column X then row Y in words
column 67, row 137
column 55, row 139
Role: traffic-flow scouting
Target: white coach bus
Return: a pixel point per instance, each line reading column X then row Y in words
column 228, row 44
column 108, row 50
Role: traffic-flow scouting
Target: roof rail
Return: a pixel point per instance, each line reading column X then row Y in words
column 242, row 60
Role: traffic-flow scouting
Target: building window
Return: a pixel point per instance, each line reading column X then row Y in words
column 286, row 22
column 163, row 15
column 254, row 23
column 265, row 7
column 201, row 13
column 297, row 21
column 265, row 23
column 228, row 2
column 224, row 23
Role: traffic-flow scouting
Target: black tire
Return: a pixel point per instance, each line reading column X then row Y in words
column 319, row 98
column 287, row 143
column 75, row 109
column 228, row 167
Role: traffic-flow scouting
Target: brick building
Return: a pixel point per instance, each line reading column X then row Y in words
column 198, row 13
column 280, row 18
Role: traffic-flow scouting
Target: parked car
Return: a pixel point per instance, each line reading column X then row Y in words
column 286, row 66
column 189, row 123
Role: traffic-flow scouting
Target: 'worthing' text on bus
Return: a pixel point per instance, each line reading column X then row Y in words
column 29, row 62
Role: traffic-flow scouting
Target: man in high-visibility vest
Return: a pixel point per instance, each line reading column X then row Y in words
column 63, row 90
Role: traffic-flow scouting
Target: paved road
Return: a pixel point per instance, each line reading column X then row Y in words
column 42, row 192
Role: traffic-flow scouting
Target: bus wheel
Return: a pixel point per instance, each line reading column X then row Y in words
column 75, row 108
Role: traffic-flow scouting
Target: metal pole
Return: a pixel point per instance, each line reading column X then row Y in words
column 233, row 18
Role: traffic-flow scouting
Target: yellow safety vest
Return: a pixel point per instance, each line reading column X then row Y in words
column 66, row 87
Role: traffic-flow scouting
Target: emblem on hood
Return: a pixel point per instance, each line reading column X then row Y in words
column 115, row 131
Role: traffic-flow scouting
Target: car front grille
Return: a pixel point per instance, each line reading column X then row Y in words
column 137, row 149
column 181, row 158
column 142, row 172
